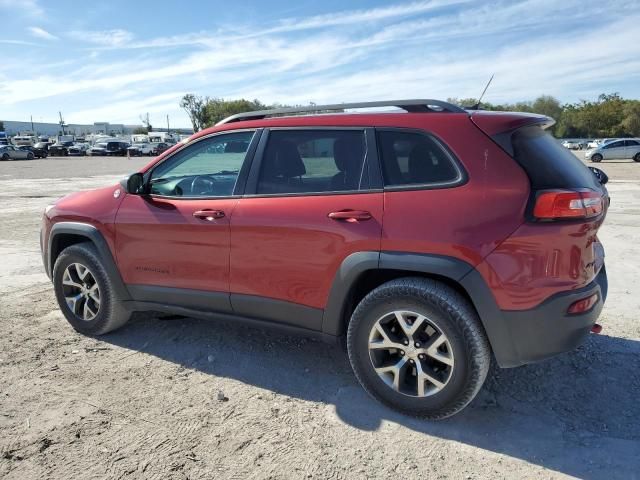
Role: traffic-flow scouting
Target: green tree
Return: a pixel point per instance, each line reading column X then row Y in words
column 217, row 109
column 631, row 120
column 196, row 108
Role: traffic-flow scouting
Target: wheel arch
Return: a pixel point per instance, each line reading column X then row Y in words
column 361, row 272
column 65, row 234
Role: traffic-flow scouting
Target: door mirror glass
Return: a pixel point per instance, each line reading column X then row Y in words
column 134, row 184
column 600, row 175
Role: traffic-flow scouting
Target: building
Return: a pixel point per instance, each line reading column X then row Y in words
column 53, row 129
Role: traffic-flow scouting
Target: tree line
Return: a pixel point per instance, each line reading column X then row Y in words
column 608, row 116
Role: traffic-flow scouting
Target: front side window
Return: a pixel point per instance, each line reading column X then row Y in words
column 207, row 168
column 312, row 161
column 411, row 158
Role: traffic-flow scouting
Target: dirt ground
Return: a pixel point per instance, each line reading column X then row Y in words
column 183, row 398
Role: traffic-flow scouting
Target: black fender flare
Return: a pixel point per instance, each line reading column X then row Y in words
column 454, row 269
column 93, row 235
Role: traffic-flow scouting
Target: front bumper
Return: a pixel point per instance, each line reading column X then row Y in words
column 548, row 329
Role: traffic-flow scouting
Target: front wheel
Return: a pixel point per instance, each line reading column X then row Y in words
column 418, row 346
column 5, row 156
column 30, row 156
column 85, row 292
column 597, row 158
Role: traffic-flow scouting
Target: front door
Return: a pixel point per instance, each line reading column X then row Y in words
column 614, row 150
column 308, row 206
column 173, row 244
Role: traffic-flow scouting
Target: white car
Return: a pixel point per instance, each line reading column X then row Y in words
column 594, row 143
column 619, row 149
column 141, row 149
column 572, row 144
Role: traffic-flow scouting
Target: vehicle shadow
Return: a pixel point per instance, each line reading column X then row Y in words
column 577, row 414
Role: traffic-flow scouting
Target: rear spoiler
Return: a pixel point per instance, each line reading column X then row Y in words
column 500, row 125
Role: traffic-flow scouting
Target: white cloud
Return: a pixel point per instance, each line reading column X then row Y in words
column 108, row 38
column 42, row 33
column 27, row 8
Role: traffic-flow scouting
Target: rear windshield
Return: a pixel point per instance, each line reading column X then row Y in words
column 547, row 163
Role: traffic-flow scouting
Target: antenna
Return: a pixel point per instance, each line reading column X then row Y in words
column 477, row 105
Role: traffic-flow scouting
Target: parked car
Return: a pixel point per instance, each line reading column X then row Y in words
column 618, row 149
column 10, row 152
column 109, row 149
column 158, row 148
column 60, row 149
column 79, row 149
column 141, row 149
column 573, row 144
column 39, row 150
column 387, row 229
column 594, row 143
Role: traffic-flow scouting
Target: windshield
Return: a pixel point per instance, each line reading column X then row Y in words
column 100, row 145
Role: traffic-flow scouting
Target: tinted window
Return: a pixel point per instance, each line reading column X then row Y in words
column 547, row 163
column 617, row 144
column 410, row 158
column 632, row 143
column 208, row 168
column 308, row 161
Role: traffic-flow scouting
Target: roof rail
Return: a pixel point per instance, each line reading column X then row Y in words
column 412, row 106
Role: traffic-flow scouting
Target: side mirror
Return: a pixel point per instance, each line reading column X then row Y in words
column 600, row 175
column 134, row 184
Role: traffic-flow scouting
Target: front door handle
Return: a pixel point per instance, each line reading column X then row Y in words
column 350, row 215
column 209, row 215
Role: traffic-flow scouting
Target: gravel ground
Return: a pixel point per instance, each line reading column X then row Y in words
column 182, row 398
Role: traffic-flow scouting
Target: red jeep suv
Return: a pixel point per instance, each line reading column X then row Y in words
column 430, row 237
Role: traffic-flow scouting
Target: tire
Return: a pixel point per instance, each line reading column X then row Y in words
column 597, row 158
column 5, row 156
column 445, row 313
column 30, row 156
column 109, row 314
column 637, row 157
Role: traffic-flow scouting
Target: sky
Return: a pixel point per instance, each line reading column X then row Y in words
column 116, row 60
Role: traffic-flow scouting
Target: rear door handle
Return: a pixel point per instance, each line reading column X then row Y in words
column 209, row 215
column 350, row 215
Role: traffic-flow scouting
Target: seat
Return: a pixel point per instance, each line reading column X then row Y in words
column 348, row 155
column 282, row 168
column 425, row 167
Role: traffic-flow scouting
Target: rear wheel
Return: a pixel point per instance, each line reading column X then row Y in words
column 417, row 346
column 597, row 158
column 85, row 292
column 637, row 157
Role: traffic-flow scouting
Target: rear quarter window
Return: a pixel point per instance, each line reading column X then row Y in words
column 548, row 164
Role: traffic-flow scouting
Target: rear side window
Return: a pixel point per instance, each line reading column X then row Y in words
column 412, row 158
column 547, row 163
column 312, row 161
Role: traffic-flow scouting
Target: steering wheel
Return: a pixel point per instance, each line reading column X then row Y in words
column 203, row 185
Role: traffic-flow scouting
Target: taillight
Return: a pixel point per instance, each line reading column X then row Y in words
column 565, row 204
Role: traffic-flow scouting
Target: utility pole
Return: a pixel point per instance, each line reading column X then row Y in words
column 168, row 130
column 32, row 130
column 61, row 123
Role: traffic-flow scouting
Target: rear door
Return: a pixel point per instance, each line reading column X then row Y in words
column 308, row 205
column 632, row 148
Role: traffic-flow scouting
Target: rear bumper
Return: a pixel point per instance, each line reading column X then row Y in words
column 547, row 330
